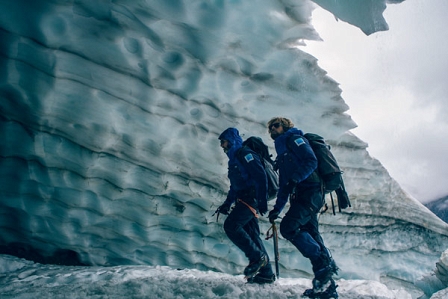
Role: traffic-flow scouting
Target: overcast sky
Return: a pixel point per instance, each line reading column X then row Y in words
column 395, row 83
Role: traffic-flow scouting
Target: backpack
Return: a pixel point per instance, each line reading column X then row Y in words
column 257, row 145
column 329, row 170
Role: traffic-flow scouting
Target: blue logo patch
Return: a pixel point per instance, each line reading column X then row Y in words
column 249, row 158
column 299, row 141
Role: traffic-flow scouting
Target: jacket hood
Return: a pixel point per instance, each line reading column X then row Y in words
column 236, row 142
column 232, row 136
column 293, row 131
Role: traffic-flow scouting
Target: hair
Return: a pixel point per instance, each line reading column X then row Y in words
column 285, row 122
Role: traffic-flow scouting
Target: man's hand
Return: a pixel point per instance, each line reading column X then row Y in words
column 263, row 208
column 273, row 215
column 224, row 209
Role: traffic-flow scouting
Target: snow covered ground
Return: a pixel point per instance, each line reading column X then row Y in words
column 24, row 279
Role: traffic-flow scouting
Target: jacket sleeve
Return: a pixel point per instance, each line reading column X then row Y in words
column 282, row 197
column 257, row 173
column 231, row 197
column 306, row 164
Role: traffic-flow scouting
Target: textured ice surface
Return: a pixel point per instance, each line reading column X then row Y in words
column 367, row 14
column 436, row 281
column 109, row 117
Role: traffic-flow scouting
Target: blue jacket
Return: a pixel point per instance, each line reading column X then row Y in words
column 296, row 162
column 246, row 173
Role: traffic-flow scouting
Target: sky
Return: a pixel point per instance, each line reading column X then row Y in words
column 395, row 84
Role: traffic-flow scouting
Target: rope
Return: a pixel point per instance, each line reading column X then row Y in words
column 250, row 208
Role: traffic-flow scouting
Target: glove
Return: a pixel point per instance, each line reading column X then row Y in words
column 263, row 208
column 273, row 215
column 224, row 209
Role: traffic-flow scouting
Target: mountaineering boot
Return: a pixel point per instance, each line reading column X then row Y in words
column 323, row 269
column 261, row 279
column 254, row 267
column 334, row 268
column 322, row 276
column 327, row 291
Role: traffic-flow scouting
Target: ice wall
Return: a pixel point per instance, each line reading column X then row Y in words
column 366, row 14
column 437, row 280
column 109, row 117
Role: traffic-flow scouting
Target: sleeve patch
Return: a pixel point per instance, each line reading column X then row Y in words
column 299, row 141
column 249, row 157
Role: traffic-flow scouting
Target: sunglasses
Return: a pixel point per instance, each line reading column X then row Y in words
column 276, row 125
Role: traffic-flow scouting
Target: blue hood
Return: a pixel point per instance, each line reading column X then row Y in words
column 233, row 137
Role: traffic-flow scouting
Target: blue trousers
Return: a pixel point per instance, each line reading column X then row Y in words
column 241, row 226
column 301, row 227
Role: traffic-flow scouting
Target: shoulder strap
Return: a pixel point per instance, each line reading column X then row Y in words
column 239, row 153
column 242, row 151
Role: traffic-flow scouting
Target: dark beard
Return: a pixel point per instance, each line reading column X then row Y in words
column 274, row 135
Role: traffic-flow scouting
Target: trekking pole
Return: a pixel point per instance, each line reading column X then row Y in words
column 277, row 255
column 217, row 214
column 274, row 235
column 332, row 203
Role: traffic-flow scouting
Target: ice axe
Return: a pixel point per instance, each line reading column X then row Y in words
column 273, row 233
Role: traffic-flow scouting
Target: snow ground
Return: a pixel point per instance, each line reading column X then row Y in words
column 20, row 278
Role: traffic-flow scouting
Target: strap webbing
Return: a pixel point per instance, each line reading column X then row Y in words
column 250, row 208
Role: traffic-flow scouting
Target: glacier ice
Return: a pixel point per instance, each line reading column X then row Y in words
column 437, row 281
column 109, row 117
column 367, row 15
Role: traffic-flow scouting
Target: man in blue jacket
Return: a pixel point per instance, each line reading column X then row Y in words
column 248, row 191
column 299, row 180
